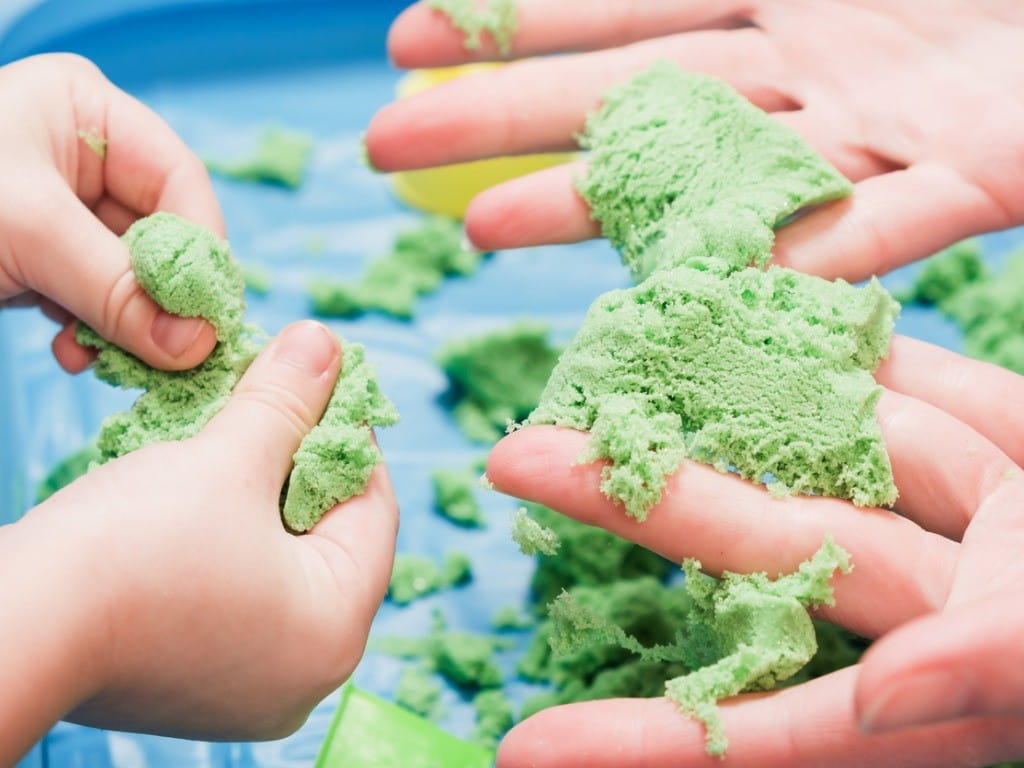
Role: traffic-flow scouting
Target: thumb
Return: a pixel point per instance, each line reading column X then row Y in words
column 77, row 262
column 277, row 402
column 966, row 662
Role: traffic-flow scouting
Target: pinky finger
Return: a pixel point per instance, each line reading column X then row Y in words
column 72, row 356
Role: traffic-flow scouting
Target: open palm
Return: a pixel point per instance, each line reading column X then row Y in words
column 921, row 104
column 939, row 585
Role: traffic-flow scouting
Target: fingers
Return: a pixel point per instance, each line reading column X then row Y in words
column 147, row 168
column 357, row 539
column 279, row 399
column 924, row 443
column 889, row 221
column 72, row 356
column 965, row 662
column 965, row 389
column 424, row 37
column 899, row 570
column 72, row 259
column 540, row 105
column 811, row 725
column 542, row 207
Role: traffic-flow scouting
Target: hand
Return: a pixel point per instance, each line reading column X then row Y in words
column 62, row 207
column 161, row 592
column 921, row 105
column 939, row 585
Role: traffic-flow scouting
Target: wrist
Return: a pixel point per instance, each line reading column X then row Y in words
column 52, row 649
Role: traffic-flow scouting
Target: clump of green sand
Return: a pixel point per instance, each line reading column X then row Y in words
column 419, row 261
column 281, row 158
column 190, row 272
column 497, row 377
column 474, row 17
column 763, row 372
column 988, row 307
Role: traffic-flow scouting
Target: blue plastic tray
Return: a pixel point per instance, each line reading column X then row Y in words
column 218, row 71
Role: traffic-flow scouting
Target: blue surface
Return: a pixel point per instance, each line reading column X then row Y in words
column 219, row 71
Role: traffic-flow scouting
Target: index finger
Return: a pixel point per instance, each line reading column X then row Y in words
column 147, row 167
column 423, row 37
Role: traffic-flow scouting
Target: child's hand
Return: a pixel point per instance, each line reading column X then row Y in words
column 161, row 592
column 939, row 585
column 62, row 206
column 922, row 104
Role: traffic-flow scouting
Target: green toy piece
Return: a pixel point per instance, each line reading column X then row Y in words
column 420, row 260
column 454, row 498
column 415, row 576
column 367, row 732
column 473, row 17
column 497, row 377
column 281, row 158
column 190, row 272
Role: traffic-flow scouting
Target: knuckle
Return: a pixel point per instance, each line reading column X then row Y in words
column 123, row 292
column 279, row 403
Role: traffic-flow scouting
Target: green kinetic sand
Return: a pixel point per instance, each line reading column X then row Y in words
column 532, row 537
column 741, row 633
column 66, row 471
column 369, row 733
column 420, row 260
column 190, row 272
column 989, row 308
column 415, row 576
column 96, row 143
column 508, row 618
column 418, row 693
column 454, row 497
column 761, row 372
column 280, row 158
column 465, row 660
column 588, row 556
column 493, row 717
column 682, row 168
column 766, row 373
column 257, row 278
column 497, row 377
column 474, row 17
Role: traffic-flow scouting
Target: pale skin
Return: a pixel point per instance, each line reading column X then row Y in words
column 924, row 109
column 161, row 592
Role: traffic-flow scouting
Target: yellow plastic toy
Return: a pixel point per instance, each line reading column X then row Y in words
column 448, row 189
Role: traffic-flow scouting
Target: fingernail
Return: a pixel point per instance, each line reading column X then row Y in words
column 927, row 697
column 308, row 346
column 175, row 335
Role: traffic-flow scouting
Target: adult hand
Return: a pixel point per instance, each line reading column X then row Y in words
column 161, row 592
column 938, row 585
column 63, row 204
column 921, row 105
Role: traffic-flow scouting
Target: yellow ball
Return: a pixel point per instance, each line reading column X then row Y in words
column 449, row 188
